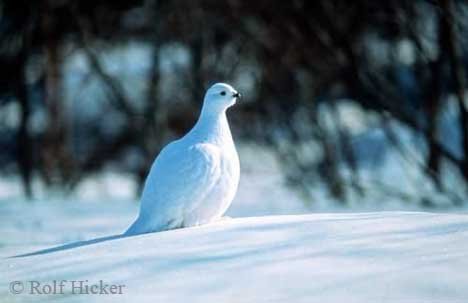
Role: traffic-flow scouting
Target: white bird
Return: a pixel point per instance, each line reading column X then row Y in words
column 194, row 179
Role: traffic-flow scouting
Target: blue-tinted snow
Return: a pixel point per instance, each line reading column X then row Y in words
column 360, row 257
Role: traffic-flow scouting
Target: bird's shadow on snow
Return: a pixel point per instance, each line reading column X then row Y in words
column 71, row 245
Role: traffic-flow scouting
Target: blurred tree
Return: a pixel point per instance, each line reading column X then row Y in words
column 398, row 60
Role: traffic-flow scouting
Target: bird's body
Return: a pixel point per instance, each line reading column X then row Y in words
column 194, row 179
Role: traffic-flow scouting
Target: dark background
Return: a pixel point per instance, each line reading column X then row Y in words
column 87, row 86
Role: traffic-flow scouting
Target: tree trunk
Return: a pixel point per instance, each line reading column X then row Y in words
column 451, row 48
column 24, row 142
column 56, row 161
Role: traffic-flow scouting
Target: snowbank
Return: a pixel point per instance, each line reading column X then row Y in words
column 366, row 257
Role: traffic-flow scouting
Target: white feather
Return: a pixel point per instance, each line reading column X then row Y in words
column 194, row 179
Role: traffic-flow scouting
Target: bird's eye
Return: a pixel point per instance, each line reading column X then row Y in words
column 223, row 93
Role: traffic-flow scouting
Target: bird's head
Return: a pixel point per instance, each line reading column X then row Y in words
column 221, row 96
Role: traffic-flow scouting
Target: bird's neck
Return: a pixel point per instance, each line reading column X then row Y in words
column 212, row 126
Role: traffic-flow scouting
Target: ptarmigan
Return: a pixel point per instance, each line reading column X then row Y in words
column 194, row 179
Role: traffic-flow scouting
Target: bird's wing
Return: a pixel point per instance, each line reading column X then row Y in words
column 179, row 180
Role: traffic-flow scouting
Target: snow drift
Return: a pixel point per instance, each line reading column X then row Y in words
column 363, row 257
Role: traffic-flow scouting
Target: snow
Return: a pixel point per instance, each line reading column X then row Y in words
column 354, row 257
column 389, row 256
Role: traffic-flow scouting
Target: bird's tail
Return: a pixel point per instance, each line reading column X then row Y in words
column 142, row 226
column 134, row 229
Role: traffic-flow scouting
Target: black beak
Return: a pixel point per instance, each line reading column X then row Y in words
column 237, row 95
